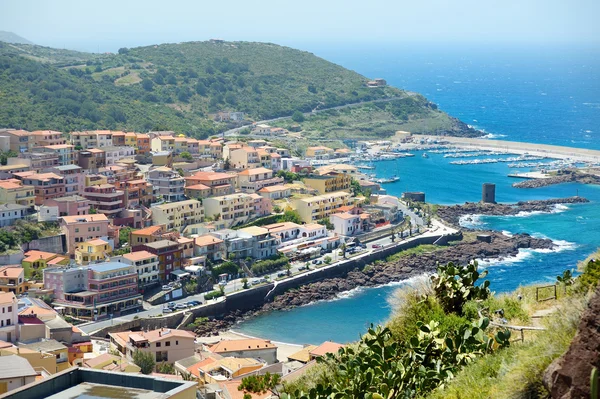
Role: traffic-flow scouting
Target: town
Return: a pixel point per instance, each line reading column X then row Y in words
column 107, row 234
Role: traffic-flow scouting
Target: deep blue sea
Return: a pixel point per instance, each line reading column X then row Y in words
column 538, row 95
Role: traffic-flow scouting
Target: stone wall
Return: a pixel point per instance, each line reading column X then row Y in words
column 56, row 244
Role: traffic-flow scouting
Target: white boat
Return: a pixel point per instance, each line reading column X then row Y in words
column 425, row 155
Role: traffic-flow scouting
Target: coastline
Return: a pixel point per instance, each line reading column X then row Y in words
column 545, row 150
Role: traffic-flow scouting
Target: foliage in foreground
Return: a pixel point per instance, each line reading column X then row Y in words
column 144, row 360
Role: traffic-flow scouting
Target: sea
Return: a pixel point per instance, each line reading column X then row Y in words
column 535, row 94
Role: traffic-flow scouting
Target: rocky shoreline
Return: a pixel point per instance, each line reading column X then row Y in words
column 568, row 176
column 380, row 273
column 452, row 214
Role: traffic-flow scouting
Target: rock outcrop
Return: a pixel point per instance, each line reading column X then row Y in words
column 452, row 214
column 568, row 377
column 564, row 176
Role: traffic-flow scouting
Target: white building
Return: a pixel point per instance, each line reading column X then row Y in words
column 10, row 213
column 9, row 318
column 115, row 154
column 146, row 265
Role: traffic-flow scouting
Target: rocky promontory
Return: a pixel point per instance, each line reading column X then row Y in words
column 380, row 273
column 452, row 214
column 563, row 176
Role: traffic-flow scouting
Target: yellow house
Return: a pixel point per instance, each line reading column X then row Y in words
column 12, row 191
column 213, row 371
column 92, row 251
column 233, row 209
column 110, row 362
column 35, row 262
column 131, row 140
column 313, row 209
column 174, row 215
column 95, row 180
column 319, row 152
column 38, row 360
column 329, row 182
column 12, row 279
column 54, row 348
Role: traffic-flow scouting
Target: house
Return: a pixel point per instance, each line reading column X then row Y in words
column 176, row 215
column 376, row 83
column 137, row 238
column 252, row 180
column 325, row 348
column 239, row 244
column 92, row 251
column 264, row 243
column 146, row 265
column 105, row 199
column 46, row 185
column 319, row 152
column 278, row 191
column 342, row 152
column 219, row 183
column 9, row 318
column 109, row 362
column 262, row 129
column 15, row 372
column 169, row 257
column 19, row 140
column 81, row 228
column 95, row 291
column 167, row 184
column 348, row 224
column 329, row 182
column 262, row 206
column 10, row 213
column 211, row 370
column 116, row 154
column 51, row 347
column 74, row 178
column 247, row 348
column 13, row 191
column 137, row 192
column 69, row 205
column 197, row 191
column 166, row 345
column 12, row 279
column 233, row 209
column 163, row 143
column 35, row 262
column 142, row 142
column 66, row 153
column 210, row 247
column 118, row 139
column 244, row 158
column 92, row 159
column 313, row 209
column 303, row 355
column 338, row 168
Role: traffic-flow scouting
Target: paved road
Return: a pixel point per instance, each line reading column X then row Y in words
column 233, row 132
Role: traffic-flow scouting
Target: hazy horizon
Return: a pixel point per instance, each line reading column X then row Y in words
column 110, row 25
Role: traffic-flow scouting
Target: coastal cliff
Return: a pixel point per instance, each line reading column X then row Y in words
column 568, row 176
column 380, row 273
column 452, row 214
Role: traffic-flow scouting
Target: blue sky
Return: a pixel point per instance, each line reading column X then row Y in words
column 106, row 25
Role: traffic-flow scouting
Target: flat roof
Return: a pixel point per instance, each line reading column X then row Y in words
column 108, row 266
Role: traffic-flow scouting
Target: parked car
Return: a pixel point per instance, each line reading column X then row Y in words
column 376, row 246
column 281, row 274
column 167, row 310
column 319, row 262
column 302, row 268
column 314, row 262
column 172, row 305
column 166, row 288
column 194, row 303
column 255, row 281
column 181, row 306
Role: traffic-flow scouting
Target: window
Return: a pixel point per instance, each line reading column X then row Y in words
column 9, row 309
column 176, row 342
column 158, row 345
column 168, row 343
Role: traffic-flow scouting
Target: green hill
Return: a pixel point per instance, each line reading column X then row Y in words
column 10, row 37
column 174, row 86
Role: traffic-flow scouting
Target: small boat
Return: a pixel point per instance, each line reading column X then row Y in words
column 425, row 155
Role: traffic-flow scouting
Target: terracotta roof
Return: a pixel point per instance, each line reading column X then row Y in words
column 154, row 335
column 303, row 355
column 34, row 255
column 58, row 146
column 96, row 241
column 277, row 227
column 198, row 187
column 151, row 230
column 194, row 369
column 12, row 184
column 210, row 176
column 249, row 344
column 11, row 271
column 7, row 297
column 345, row 215
column 57, row 260
column 232, row 389
column 138, row 255
column 326, row 347
column 206, row 240
column 37, row 310
column 86, row 218
column 272, row 189
column 255, row 171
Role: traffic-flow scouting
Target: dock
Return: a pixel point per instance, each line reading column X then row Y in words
column 530, row 175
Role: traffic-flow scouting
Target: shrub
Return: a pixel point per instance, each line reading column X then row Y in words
column 213, row 295
column 269, row 265
column 455, row 285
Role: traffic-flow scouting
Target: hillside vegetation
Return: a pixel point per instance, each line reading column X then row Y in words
column 179, row 86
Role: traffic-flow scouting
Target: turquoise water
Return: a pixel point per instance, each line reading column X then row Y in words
column 537, row 95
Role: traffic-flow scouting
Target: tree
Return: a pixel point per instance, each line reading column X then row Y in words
column 261, row 383
column 186, row 155
column 245, row 283
column 165, row 368
column 147, row 84
column 298, row 117
column 343, row 249
column 393, row 236
column 181, row 172
column 327, row 260
column 123, row 50
column 144, row 360
column 327, row 223
column 124, row 235
column 288, row 269
column 291, row 216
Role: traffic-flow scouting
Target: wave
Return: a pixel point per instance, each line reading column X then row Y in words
column 471, row 221
column 358, row 290
column 492, row 136
column 526, row 253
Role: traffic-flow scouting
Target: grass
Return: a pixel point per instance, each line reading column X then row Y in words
column 418, row 250
column 130, row 79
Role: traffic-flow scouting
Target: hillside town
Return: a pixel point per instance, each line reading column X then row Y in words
column 106, row 228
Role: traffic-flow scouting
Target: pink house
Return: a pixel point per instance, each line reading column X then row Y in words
column 262, row 205
column 83, row 228
column 71, row 205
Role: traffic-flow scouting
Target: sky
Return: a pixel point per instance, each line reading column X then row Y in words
column 107, row 25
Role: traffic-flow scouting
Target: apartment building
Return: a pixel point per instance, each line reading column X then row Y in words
column 96, row 291
column 247, row 348
column 252, row 180
column 46, row 185
column 104, row 138
column 329, row 182
column 176, row 215
column 166, row 345
column 167, row 184
column 233, row 209
column 70, row 205
column 82, row 228
column 262, row 206
column 116, row 154
column 137, row 238
column 84, row 140
column 210, row 247
column 9, row 318
column 244, row 158
column 66, row 153
column 313, row 209
column 169, row 257
column 105, row 199
column 10, row 213
column 219, row 183
column 13, row 191
column 74, row 178
column 92, row 159
column 43, row 138
column 163, row 143
column 319, row 152
column 276, row 192
column 265, row 244
column 143, row 144
column 146, row 264
column 350, row 224
column 137, row 192
column 19, row 140
column 131, row 139
column 338, row 168
column 197, row 191
column 92, row 251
